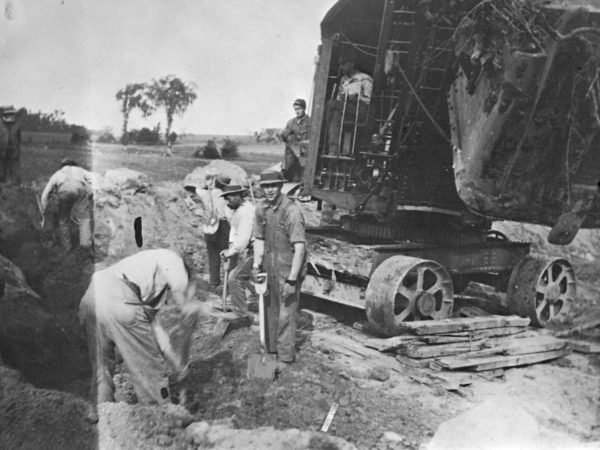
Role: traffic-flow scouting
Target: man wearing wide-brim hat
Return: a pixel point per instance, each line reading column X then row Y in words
column 280, row 250
column 216, row 216
column 239, row 252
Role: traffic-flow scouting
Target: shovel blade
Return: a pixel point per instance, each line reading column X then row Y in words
column 262, row 366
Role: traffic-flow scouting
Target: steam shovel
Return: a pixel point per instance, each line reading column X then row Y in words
column 262, row 365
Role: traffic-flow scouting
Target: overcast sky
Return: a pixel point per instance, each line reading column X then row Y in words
column 249, row 58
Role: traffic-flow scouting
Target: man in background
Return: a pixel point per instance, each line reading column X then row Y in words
column 295, row 136
column 352, row 101
column 72, row 190
column 10, row 144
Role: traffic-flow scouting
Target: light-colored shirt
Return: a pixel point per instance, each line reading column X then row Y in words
column 242, row 226
column 68, row 179
column 359, row 84
column 153, row 271
column 218, row 204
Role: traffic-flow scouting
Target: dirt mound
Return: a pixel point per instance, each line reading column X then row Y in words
column 219, row 167
column 39, row 418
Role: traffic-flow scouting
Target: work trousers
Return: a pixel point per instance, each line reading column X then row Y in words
column 10, row 163
column 78, row 207
column 292, row 167
column 335, row 111
column 280, row 319
column 113, row 316
column 215, row 243
column 239, row 281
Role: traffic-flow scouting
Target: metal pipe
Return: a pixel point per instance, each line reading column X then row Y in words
column 342, row 123
column 355, row 124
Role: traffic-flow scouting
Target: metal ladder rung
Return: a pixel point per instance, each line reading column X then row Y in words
column 402, row 11
column 431, row 88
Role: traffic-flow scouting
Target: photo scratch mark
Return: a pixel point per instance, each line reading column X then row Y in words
column 137, row 226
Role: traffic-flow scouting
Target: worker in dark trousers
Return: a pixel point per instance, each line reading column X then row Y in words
column 216, row 227
column 119, row 309
column 280, row 250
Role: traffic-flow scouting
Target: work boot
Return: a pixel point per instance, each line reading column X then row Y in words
column 283, row 366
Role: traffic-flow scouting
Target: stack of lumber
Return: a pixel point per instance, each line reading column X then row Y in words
column 472, row 343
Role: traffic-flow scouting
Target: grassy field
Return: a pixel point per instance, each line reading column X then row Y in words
column 39, row 164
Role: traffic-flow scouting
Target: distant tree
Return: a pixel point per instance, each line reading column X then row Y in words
column 133, row 96
column 173, row 95
column 106, row 137
column 146, row 136
column 229, row 149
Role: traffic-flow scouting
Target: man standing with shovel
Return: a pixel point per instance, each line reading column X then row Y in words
column 280, row 249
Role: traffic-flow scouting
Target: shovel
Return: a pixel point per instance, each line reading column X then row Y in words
column 262, row 365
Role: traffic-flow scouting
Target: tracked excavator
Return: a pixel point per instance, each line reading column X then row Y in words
column 479, row 111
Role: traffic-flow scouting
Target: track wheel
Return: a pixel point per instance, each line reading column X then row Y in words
column 403, row 288
column 541, row 289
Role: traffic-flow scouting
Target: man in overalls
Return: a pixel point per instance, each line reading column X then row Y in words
column 280, row 248
column 119, row 309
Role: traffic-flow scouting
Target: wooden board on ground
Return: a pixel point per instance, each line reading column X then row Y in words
column 431, row 351
column 499, row 361
column 463, row 324
column 414, row 362
column 582, row 346
column 468, row 336
column 389, row 344
column 472, row 311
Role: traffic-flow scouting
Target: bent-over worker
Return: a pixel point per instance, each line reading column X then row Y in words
column 119, row 309
column 71, row 186
column 280, row 247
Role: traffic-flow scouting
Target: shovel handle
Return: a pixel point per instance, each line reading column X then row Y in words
column 225, row 282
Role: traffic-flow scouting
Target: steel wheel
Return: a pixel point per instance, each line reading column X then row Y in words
column 403, row 288
column 542, row 289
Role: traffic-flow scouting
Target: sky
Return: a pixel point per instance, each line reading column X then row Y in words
column 249, row 59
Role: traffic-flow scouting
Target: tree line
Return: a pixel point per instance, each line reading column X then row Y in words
column 53, row 122
column 168, row 93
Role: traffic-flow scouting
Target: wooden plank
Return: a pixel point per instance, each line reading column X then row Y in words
column 463, row 324
column 582, row 346
column 545, row 344
column 473, row 311
column 451, row 381
column 413, row 362
column 515, row 347
column 467, row 336
column 390, row 344
column 499, row 361
column 431, row 351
